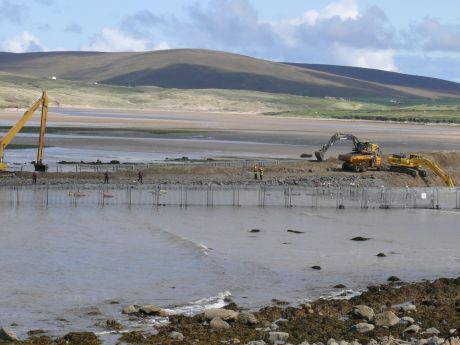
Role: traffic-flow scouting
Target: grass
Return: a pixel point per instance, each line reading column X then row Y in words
column 20, row 91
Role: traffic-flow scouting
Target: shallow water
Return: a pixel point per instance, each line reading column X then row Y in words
column 62, row 266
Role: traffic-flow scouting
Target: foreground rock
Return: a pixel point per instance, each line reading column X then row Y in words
column 152, row 310
column 8, row 335
column 274, row 337
column 363, row 327
column 363, row 312
column 218, row 324
column 330, row 322
column 130, row 309
column 224, row 314
column 386, row 319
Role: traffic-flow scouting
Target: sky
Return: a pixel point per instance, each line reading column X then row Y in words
column 419, row 37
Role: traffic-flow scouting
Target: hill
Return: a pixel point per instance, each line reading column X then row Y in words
column 205, row 69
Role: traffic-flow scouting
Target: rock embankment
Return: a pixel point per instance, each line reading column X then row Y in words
column 398, row 313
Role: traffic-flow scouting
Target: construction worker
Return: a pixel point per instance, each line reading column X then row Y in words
column 256, row 172
column 106, row 177
column 261, row 173
column 34, row 177
column 140, row 176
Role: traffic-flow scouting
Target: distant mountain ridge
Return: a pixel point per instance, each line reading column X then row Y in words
column 206, row 69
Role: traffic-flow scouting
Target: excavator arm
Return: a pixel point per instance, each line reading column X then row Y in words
column 435, row 168
column 412, row 163
column 336, row 137
column 13, row 131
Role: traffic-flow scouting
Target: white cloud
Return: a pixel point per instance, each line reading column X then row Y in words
column 343, row 9
column 435, row 36
column 23, row 43
column 339, row 33
column 377, row 59
column 162, row 46
column 113, row 40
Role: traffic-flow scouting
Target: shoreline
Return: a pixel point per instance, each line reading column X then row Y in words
column 426, row 312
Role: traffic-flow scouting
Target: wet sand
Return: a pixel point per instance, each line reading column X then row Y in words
column 297, row 135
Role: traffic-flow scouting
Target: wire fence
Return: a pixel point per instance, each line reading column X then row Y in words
column 235, row 196
column 95, row 167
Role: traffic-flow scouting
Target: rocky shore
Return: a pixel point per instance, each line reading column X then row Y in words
column 397, row 313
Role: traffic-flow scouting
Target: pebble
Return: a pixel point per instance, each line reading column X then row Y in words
column 274, row 337
column 381, row 255
column 318, row 268
column 406, row 320
column 130, row 309
column 363, row 327
column 412, row 329
column 247, row 318
column 218, row 324
column 386, row 319
column 176, row 336
column 363, row 312
column 432, row 331
column 332, row 341
column 152, row 309
column 394, row 279
column 224, row 314
column 256, row 342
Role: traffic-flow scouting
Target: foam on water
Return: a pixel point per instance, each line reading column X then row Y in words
column 197, row 307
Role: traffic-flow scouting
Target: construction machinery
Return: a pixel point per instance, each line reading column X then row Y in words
column 9, row 136
column 365, row 155
column 412, row 164
column 336, row 137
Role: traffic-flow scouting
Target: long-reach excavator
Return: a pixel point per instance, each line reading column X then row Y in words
column 336, row 137
column 9, row 136
column 365, row 155
column 413, row 163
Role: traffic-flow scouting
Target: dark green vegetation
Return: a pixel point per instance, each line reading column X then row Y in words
column 208, row 81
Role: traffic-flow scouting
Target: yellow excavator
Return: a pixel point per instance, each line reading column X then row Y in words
column 365, row 155
column 9, row 136
column 413, row 164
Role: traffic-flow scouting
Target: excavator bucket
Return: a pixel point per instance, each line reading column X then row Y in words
column 41, row 167
column 319, row 156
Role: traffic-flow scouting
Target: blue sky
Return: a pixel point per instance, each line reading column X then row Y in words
column 410, row 36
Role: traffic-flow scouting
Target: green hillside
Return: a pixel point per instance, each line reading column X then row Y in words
column 205, row 69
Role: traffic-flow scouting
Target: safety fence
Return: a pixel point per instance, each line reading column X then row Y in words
column 94, row 167
column 236, row 196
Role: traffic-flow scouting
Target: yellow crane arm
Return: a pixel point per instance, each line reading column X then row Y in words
column 9, row 136
column 41, row 140
column 436, row 169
